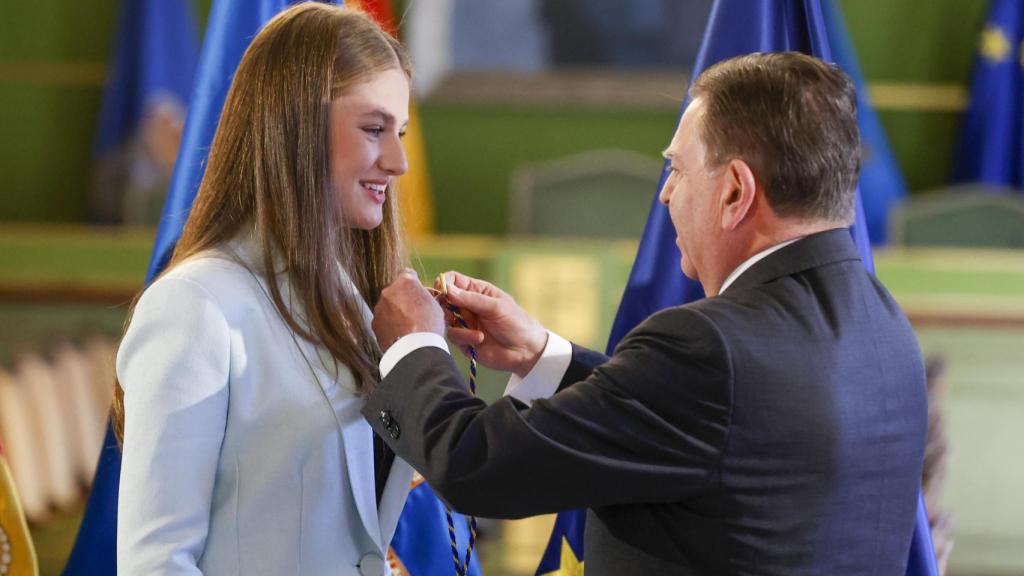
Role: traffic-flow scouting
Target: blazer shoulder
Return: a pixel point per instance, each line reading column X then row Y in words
column 694, row 321
column 211, row 269
column 698, row 330
column 682, row 332
column 224, row 282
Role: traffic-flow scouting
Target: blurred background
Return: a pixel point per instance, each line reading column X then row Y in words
column 542, row 123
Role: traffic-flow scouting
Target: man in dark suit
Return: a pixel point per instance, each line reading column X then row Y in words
column 776, row 427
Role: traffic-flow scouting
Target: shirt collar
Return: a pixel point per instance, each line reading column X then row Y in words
column 753, row 260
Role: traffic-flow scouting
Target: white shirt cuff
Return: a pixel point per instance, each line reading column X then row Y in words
column 542, row 381
column 408, row 344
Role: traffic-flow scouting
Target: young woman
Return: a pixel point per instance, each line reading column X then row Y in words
column 244, row 366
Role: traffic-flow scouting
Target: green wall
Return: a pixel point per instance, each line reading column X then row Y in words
column 917, row 42
column 472, row 150
column 53, row 59
column 53, row 62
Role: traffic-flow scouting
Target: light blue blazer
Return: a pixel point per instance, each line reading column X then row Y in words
column 244, row 452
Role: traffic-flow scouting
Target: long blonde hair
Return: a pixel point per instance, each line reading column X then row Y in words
column 268, row 167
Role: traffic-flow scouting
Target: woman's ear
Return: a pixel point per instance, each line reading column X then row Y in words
column 738, row 195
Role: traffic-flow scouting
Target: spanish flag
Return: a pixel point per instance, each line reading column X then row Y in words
column 17, row 556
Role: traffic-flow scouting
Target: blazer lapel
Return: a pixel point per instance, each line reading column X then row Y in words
column 396, row 490
column 357, row 436
column 358, row 448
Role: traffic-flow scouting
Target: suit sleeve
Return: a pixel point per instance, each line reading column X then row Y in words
column 173, row 365
column 583, row 362
column 648, row 425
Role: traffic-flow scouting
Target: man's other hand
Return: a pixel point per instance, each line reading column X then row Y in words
column 505, row 336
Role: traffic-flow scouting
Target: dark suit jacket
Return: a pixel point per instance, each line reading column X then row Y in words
column 778, row 428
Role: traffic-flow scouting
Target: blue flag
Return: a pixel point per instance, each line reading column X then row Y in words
column 143, row 109
column 232, row 25
column 735, row 27
column 421, row 545
column 991, row 149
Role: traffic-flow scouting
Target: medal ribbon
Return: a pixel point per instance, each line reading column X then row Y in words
column 461, row 566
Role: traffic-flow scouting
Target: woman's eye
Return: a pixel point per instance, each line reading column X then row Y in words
column 401, row 134
column 375, row 131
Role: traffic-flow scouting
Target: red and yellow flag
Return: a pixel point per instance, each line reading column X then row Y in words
column 17, row 556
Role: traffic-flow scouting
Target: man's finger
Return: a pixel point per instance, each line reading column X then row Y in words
column 459, row 279
column 478, row 304
column 465, row 336
column 470, row 284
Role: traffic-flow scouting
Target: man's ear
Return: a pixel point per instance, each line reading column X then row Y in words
column 738, row 194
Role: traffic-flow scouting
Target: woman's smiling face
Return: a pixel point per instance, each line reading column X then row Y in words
column 368, row 121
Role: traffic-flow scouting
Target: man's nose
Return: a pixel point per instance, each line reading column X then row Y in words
column 665, row 194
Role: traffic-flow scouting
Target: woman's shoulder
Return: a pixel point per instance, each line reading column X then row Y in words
column 214, row 264
column 214, row 273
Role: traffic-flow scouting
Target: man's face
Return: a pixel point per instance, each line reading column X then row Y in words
column 691, row 193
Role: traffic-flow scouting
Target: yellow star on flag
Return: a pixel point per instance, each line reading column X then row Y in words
column 570, row 565
column 994, row 44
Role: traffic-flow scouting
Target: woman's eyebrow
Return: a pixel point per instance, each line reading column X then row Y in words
column 384, row 115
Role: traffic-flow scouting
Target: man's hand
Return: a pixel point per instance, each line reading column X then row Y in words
column 505, row 336
column 405, row 307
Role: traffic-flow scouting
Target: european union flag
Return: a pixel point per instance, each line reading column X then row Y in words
column 991, row 148
column 143, row 110
column 231, row 26
column 735, row 27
